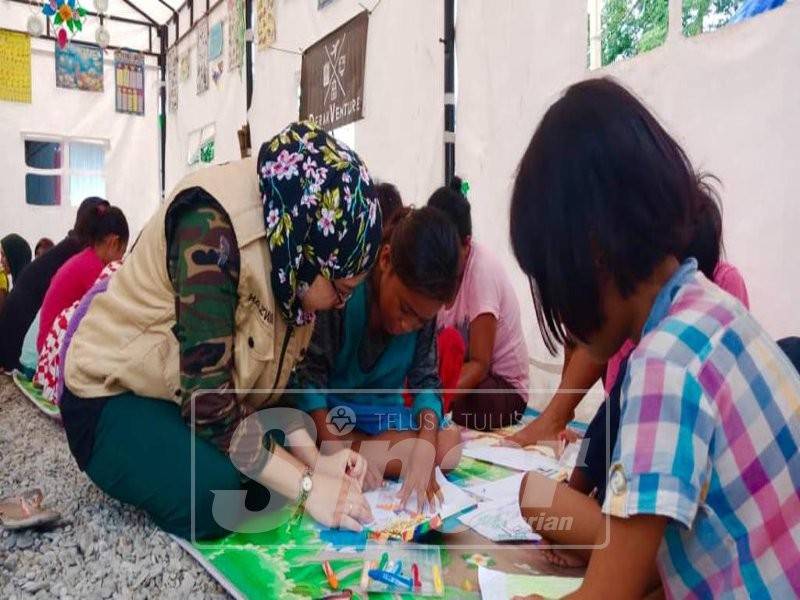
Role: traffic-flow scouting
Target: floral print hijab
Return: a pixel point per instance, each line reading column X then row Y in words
column 321, row 213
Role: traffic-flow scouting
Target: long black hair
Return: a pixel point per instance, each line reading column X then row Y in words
column 454, row 204
column 601, row 191
column 424, row 250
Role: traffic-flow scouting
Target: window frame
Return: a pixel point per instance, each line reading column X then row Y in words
column 65, row 172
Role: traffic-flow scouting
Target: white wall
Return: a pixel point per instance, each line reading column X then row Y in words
column 132, row 169
column 400, row 137
column 223, row 104
column 731, row 98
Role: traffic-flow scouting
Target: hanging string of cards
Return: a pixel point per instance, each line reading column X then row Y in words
column 129, row 77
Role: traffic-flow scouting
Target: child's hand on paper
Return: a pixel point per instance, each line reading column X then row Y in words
column 420, row 475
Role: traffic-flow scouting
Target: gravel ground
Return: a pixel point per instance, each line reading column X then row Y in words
column 101, row 549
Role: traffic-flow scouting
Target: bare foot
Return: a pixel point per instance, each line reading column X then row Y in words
column 562, row 558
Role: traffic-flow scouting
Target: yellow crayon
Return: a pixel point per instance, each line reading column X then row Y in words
column 437, row 580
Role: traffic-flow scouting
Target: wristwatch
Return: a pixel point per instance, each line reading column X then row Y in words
column 306, row 485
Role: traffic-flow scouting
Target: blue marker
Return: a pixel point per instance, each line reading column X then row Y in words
column 391, row 579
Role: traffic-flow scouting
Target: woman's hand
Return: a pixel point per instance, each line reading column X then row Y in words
column 343, row 462
column 338, row 502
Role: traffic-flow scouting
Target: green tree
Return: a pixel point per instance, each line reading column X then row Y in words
column 707, row 15
column 632, row 26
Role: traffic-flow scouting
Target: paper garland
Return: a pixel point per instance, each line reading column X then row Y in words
column 236, row 27
column 15, row 66
column 202, row 55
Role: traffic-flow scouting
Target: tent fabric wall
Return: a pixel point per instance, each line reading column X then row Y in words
column 132, row 164
column 223, row 104
column 400, row 137
column 729, row 97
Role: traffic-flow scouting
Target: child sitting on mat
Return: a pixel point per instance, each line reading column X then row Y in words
column 702, row 493
column 381, row 339
column 480, row 333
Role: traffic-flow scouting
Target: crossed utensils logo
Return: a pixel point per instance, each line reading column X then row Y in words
column 341, row 420
column 333, row 69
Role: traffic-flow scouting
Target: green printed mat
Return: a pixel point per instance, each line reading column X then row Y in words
column 278, row 563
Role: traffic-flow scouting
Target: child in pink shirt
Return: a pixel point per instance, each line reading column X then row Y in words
column 492, row 361
column 108, row 242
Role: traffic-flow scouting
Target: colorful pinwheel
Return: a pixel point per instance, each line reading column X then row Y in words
column 66, row 14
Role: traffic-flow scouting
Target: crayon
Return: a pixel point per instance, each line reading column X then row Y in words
column 438, row 586
column 330, row 575
column 415, row 575
column 384, row 561
column 364, row 583
column 391, row 579
column 343, row 595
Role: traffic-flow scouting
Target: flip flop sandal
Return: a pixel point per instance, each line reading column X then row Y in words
column 25, row 510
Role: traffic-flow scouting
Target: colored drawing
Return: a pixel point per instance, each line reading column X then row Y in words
column 471, row 472
column 202, row 55
column 236, row 29
column 172, row 79
column 393, row 521
column 79, row 67
column 265, row 23
column 216, row 37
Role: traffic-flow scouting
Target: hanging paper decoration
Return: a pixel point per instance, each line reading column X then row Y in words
column 79, row 67
column 216, row 37
column 34, row 26
column 66, row 14
column 102, row 37
column 202, row 55
column 216, row 45
column 15, row 66
column 185, row 65
column 129, row 78
column 265, row 23
column 235, row 34
column 172, row 78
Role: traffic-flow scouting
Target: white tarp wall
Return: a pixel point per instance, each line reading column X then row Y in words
column 731, row 99
column 223, row 104
column 132, row 156
column 400, row 137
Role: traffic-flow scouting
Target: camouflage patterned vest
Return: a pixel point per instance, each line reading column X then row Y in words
column 125, row 342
